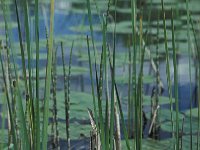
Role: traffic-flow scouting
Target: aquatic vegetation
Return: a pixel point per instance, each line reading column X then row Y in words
column 114, row 74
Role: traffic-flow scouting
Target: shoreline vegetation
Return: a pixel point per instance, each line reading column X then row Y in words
column 45, row 101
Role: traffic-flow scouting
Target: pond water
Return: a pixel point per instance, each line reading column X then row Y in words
column 71, row 24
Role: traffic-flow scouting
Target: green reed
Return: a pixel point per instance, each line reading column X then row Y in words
column 30, row 137
column 25, row 133
column 66, row 95
column 95, row 55
column 189, row 56
column 100, row 127
column 20, row 113
column 91, row 77
column 169, row 81
column 37, row 104
column 175, row 79
column 140, row 87
column 134, row 56
column 48, row 79
column 55, row 131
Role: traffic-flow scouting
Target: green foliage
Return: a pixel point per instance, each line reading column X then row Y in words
column 123, row 49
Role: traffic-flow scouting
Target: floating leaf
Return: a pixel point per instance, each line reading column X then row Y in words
column 151, row 144
column 162, row 100
column 77, row 131
column 123, row 79
column 194, row 112
column 79, row 102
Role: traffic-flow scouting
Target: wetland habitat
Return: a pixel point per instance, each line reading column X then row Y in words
column 99, row 74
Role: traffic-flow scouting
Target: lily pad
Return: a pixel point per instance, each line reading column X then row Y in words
column 162, row 100
column 11, row 24
column 75, row 70
column 76, row 130
column 164, row 116
column 79, row 102
column 167, row 126
column 147, row 79
column 194, row 112
column 151, row 144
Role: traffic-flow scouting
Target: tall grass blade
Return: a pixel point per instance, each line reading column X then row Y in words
column 99, row 82
column 23, row 56
column 55, row 143
column 22, row 121
column 68, row 92
column 122, row 119
column 169, row 79
column 91, row 79
column 21, row 47
column 28, row 44
column 175, row 74
column 91, row 26
column 48, row 80
column 130, row 113
column 134, row 82
column 95, row 53
column 139, row 98
column 112, row 95
column 37, row 105
column 120, row 108
column 190, row 78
